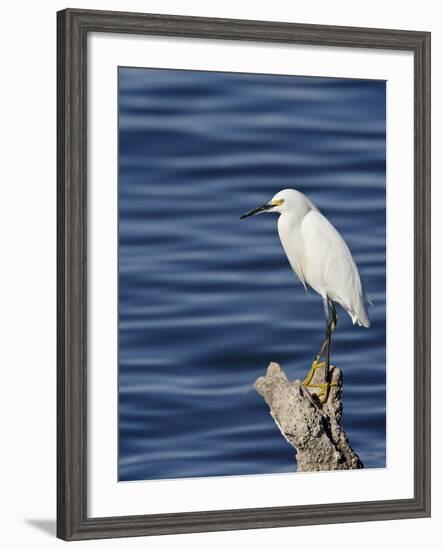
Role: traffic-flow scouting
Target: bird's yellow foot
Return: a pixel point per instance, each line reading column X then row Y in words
column 315, row 365
column 323, row 392
column 324, row 388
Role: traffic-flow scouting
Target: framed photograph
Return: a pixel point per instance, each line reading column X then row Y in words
column 243, row 274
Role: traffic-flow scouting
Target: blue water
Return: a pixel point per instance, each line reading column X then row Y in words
column 207, row 300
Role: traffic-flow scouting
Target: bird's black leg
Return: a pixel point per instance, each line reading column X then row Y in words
column 330, row 326
column 328, row 332
column 325, row 343
column 334, row 315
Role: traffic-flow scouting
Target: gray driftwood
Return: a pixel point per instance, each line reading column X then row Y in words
column 314, row 430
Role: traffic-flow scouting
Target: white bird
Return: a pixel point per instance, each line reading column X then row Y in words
column 321, row 259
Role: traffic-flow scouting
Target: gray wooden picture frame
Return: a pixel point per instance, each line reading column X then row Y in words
column 73, row 27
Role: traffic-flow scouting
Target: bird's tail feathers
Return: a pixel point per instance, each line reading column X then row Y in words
column 361, row 320
column 361, row 317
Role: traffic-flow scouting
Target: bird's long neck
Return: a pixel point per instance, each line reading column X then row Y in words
column 293, row 217
column 289, row 229
column 288, row 224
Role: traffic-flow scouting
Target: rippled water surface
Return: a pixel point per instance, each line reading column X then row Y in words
column 206, row 300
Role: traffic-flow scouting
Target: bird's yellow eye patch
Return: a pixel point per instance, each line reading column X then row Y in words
column 277, row 202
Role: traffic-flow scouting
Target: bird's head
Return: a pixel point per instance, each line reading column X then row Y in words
column 284, row 201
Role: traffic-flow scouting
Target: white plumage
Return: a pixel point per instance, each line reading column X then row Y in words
column 317, row 252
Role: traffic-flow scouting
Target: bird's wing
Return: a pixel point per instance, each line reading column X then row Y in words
column 330, row 268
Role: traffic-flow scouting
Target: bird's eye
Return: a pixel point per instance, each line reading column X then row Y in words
column 277, row 202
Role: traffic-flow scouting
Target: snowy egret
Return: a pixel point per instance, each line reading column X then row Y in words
column 321, row 259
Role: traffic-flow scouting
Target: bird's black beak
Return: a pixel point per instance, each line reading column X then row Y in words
column 262, row 208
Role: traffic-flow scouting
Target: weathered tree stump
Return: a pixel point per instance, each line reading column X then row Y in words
column 314, row 430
